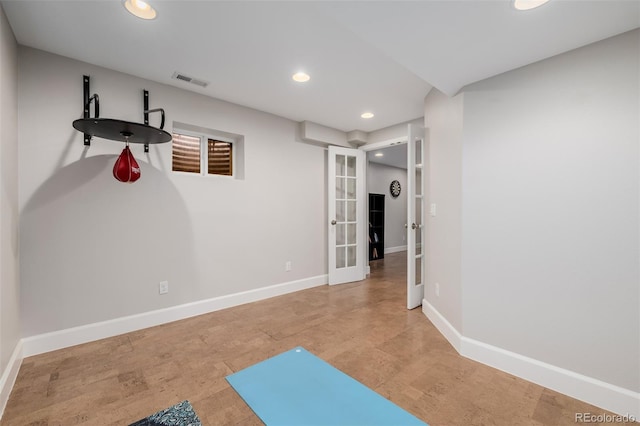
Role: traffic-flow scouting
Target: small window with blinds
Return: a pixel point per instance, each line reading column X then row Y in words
column 219, row 158
column 186, row 153
column 189, row 155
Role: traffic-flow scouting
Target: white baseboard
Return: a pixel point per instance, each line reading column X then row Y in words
column 395, row 249
column 87, row 333
column 593, row 391
column 444, row 327
column 9, row 376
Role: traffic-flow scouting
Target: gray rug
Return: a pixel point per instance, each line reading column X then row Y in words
column 181, row 414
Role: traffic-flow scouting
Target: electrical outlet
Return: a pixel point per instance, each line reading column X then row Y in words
column 438, row 289
column 287, row 266
column 163, row 287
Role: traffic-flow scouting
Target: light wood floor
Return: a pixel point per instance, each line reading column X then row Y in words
column 361, row 328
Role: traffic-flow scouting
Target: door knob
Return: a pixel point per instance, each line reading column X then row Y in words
column 333, row 222
column 414, row 226
column 405, row 226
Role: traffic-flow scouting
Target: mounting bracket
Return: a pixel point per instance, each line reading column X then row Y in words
column 87, row 99
column 118, row 130
column 145, row 100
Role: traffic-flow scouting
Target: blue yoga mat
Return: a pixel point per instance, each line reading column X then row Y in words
column 297, row 388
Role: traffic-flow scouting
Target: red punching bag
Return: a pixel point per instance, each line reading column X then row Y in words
column 126, row 168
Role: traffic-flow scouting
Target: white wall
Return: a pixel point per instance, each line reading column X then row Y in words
column 9, row 283
column 443, row 119
column 323, row 135
column 379, row 177
column 392, row 132
column 94, row 249
column 550, row 211
column 550, row 228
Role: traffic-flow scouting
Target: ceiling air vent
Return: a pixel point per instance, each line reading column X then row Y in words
column 179, row 76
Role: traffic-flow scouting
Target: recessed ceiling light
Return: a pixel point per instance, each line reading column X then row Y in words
column 140, row 8
column 301, row 77
column 378, row 154
column 528, row 4
column 366, row 115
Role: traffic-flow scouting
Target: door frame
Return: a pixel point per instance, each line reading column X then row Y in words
column 426, row 193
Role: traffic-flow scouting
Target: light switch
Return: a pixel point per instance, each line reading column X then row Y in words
column 432, row 210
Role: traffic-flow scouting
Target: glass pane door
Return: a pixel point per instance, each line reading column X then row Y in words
column 346, row 198
column 415, row 216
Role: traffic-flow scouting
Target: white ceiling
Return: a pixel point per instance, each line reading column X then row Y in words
column 379, row 56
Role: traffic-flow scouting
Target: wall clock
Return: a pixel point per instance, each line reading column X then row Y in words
column 395, row 188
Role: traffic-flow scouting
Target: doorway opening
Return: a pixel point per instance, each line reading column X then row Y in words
column 412, row 229
column 348, row 207
column 387, row 206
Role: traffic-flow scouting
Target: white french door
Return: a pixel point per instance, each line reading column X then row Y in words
column 346, row 206
column 415, row 216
